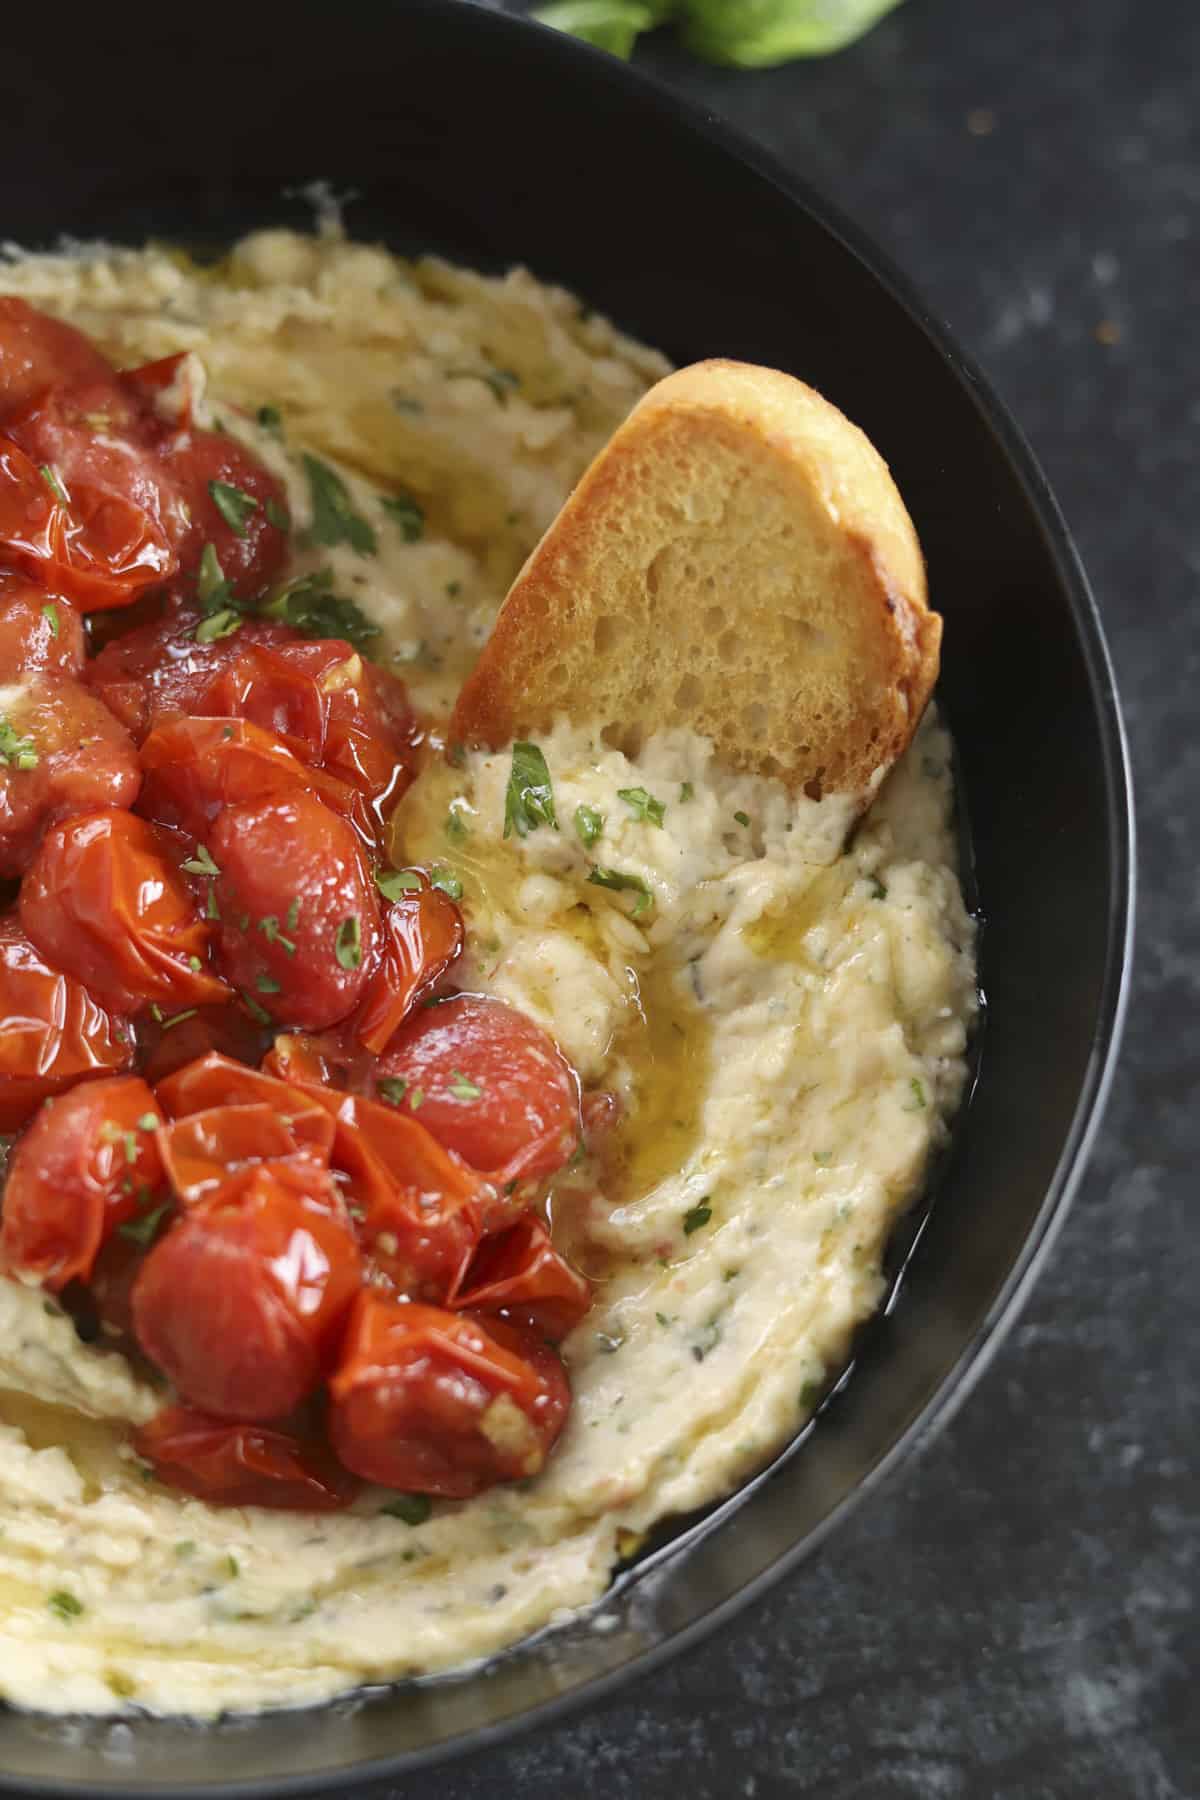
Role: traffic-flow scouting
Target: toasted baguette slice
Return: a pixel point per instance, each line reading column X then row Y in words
column 737, row 560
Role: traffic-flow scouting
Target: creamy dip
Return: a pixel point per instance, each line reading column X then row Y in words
column 784, row 1022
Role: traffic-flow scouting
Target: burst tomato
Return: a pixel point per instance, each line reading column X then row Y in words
column 40, row 633
column 423, row 937
column 520, row 1273
column 104, row 900
column 436, row 1402
column 63, row 753
column 52, row 1032
column 230, row 1464
column 88, row 1163
column 241, row 1304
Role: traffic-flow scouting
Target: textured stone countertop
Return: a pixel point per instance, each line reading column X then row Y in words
column 1015, row 1615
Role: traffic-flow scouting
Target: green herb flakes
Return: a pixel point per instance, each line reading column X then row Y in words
column 643, row 805
column 50, row 476
column 407, row 514
column 917, row 1103
column 589, row 825
column 309, row 605
column 394, row 882
column 16, row 752
column 414, row 1509
column 293, row 915
column 200, row 863
column 270, row 419
column 529, row 797
column 462, row 1087
column 446, row 880
column 232, row 1566
column 620, row 881
column 392, row 1088
column 266, row 984
column 178, row 1018
column 686, row 792
column 65, row 1605
column 878, row 890
column 143, row 1230
column 696, row 1217
column 50, row 614
column 334, row 520
column 256, row 1011
column 348, row 946
column 217, row 625
column 277, row 515
column 417, row 1099
column 500, row 381
column 148, row 1122
column 234, row 505
column 742, row 818
column 822, row 1158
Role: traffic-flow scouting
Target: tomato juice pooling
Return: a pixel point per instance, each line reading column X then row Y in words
column 331, row 1257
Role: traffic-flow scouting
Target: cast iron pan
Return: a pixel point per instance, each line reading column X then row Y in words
column 492, row 141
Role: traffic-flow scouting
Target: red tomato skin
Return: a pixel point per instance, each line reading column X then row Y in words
column 293, row 860
column 94, row 545
column 410, row 1399
column 241, row 1304
column 524, row 1121
column 52, row 1032
column 231, row 1464
column 250, row 557
column 72, row 1179
column 519, row 1273
column 84, row 760
column 228, row 1030
column 40, row 633
column 157, row 670
column 104, row 900
column 38, row 352
column 423, row 937
column 417, row 1208
column 201, row 1151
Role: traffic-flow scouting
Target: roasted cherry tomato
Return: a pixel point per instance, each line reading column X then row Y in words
column 276, row 689
column 520, row 1273
column 104, row 900
column 299, row 922
column 492, row 1086
column 195, row 768
column 88, row 1163
column 216, row 1080
column 98, row 548
column 169, row 1043
column 241, row 1304
column 108, row 1299
column 61, row 752
column 40, row 633
column 52, row 1032
column 439, row 1403
column 201, row 1151
column 423, row 937
column 417, row 1209
column 159, row 669
column 231, row 1464
column 38, row 352
column 234, row 504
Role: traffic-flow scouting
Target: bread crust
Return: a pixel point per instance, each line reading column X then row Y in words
column 737, row 559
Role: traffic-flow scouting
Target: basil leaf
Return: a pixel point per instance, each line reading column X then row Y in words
column 449, row 883
column 334, row 519
column 394, row 882
column 529, row 797
column 234, row 505
column 643, row 805
column 309, row 605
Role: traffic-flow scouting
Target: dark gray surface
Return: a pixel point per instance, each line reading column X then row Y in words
column 1014, row 1616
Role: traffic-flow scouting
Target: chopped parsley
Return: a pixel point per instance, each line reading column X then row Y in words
column 878, row 890
column 609, row 1342
column 277, row 515
column 211, row 909
column 309, row 605
column 16, row 752
column 686, row 792
column 589, row 824
column 143, row 1231
column 443, row 878
column 462, row 1087
column 293, row 915
column 178, row 1018
column 334, row 520
column 414, row 1509
column 232, row 1568
column 348, row 946
column 416, row 1098
column 195, row 965
column 148, row 1122
column 917, row 1103
column 643, row 805
column 742, row 818
column 822, row 1158
column 66, row 1605
column 620, row 881
column 221, row 624
column 201, row 863
column 50, row 614
column 408, row 515
column 50, row 476
column 662, row 1319
column 501, row 381
column 456, row 827
column 266, row 984
column 234, row 505
column 696, row 1217
column 394, row 882
column 529, row 797
column 269, row 926
column 212, row 590
column 271, row 419
column 393, row 1089
column 254, row 1009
